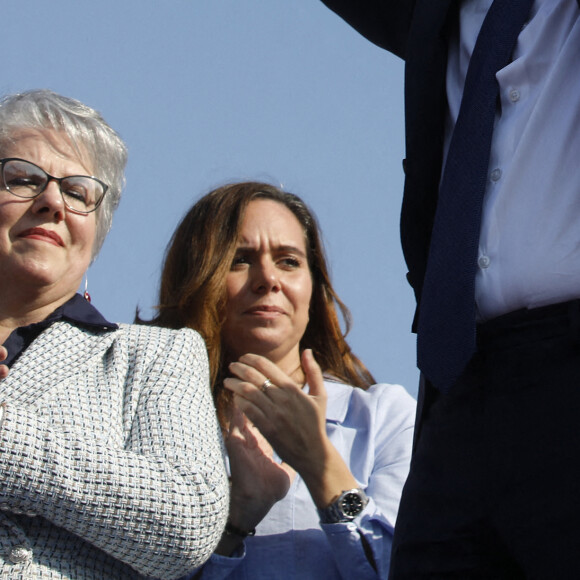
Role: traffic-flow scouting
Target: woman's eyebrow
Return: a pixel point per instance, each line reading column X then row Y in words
column 290, row 248
column 247, row 247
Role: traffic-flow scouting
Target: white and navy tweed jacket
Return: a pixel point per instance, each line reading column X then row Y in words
column 110, row 456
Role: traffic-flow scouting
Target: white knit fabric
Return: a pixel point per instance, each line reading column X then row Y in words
column 110, row 456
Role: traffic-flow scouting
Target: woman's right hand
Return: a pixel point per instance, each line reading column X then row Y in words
column 257, row 480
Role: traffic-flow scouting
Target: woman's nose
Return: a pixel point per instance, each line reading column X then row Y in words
column 50, row 201
column 265, row 278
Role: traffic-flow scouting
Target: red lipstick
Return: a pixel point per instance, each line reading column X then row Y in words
column 42, row 234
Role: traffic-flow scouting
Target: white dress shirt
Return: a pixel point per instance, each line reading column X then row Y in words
column 529, row 248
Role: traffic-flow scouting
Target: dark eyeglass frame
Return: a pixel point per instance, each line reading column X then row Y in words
column 58, row 181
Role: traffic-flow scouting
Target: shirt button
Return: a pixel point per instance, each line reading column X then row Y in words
column 483, row 262
column 495, row 174
column 20, row 554
column 514, row 95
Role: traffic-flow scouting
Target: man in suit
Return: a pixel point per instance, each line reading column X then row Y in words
column 493, row 488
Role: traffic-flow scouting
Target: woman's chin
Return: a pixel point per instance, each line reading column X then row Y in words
column 270, row 348
column 43, row 275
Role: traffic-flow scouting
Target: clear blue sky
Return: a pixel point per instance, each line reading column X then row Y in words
column 210, row 91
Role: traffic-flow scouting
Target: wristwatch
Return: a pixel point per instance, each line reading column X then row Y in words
column 350, row 503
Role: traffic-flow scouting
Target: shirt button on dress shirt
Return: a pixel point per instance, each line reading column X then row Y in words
column 483, row 262
column 514, row 95
column 496, row 174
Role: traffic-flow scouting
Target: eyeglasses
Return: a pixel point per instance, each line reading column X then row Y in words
column 80, row 193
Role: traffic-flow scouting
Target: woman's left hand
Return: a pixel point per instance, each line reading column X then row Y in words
column 293, row 421
column 257, row 480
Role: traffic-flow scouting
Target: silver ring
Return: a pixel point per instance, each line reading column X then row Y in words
column 266, row 385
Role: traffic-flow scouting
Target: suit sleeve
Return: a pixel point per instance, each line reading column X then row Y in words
column 384, row 22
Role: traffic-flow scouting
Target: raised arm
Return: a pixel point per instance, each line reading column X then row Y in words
column 384, row 22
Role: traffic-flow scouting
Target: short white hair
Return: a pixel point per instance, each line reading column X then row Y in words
column 88, row 132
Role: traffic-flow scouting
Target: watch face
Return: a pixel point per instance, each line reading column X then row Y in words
column 351, row 504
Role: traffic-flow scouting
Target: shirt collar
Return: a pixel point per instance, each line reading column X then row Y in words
column 76, row 310
column 80, row 311
column 337, row 404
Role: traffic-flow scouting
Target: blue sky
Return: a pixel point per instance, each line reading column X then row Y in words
column 206, row 92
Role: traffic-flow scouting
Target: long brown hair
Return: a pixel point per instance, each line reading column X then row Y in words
column 199, row 256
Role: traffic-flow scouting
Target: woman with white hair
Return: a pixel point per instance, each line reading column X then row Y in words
column 110, row 452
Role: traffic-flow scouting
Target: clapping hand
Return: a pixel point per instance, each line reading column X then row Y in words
column 292, row 420
column 258, row 481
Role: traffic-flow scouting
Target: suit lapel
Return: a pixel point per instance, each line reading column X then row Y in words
column 59, row 353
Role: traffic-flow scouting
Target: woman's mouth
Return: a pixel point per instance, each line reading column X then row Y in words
column 48, row 236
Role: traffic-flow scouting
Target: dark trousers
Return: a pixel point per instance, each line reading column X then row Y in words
column 494, row 486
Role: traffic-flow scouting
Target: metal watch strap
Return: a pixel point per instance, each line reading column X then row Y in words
column 334, row 513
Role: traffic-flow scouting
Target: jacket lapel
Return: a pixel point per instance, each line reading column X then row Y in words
column 60, row 352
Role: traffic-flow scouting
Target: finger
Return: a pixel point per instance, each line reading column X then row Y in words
column 4, row 370
column 254, row 412
column 249, row 374
column 258, row 387
column 236, row 421
column 267, row 369
column 313, row 373
column 258, row 407
column 249, row 391
column 3, row 353
column 249, row 432
column 289, row 471
column 242, row 433
column 257, row 439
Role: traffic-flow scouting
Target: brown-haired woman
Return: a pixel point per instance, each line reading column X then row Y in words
column 318, row 454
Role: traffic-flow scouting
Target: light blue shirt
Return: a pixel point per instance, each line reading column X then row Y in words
column 372, row 430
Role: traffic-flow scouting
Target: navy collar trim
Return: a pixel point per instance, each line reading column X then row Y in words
column 77, row 310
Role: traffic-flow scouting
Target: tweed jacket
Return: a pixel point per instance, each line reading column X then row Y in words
column 111, row 459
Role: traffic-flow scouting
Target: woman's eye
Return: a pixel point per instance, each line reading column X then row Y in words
column 291, row 262
column 239, row 261
column 22, row 181
column 78, row 194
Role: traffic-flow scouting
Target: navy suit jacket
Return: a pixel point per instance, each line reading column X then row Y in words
column 417, row 31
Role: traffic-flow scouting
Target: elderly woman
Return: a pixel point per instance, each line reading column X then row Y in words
column 110, row 451
column 318, row 454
